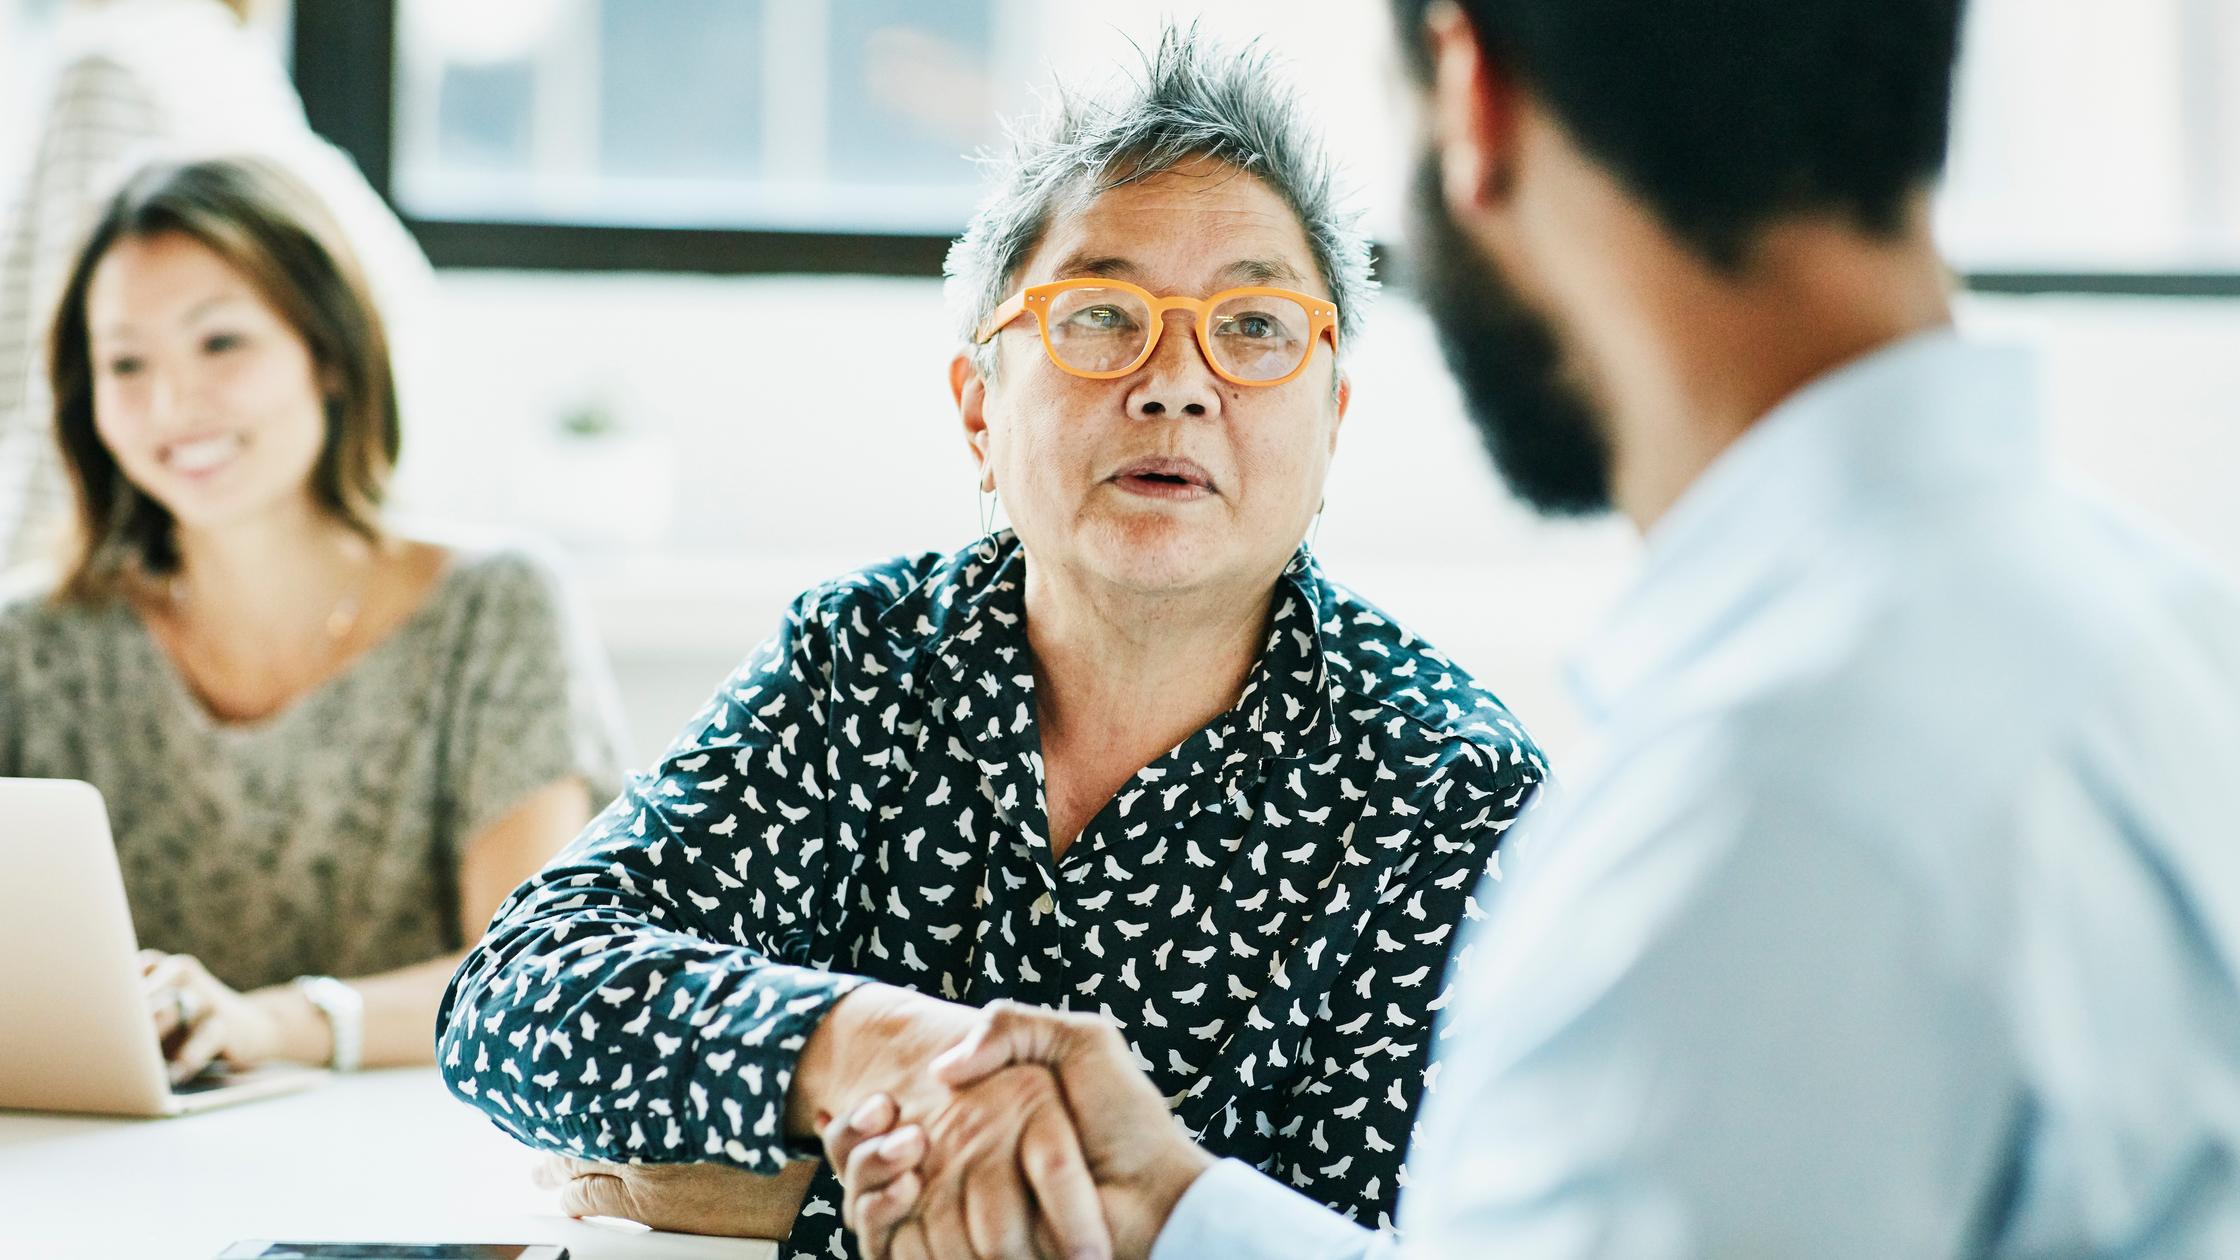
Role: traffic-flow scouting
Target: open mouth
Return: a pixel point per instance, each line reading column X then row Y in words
column 1165, row 478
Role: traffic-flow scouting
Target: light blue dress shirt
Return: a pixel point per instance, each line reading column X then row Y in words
column 1895, row 914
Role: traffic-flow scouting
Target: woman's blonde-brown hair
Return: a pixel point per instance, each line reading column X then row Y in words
column 273, row 231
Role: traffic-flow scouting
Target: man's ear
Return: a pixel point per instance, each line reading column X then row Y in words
column 1473, row 110
column 971, row 393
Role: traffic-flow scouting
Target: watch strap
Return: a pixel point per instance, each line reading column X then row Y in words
column 345, row 1010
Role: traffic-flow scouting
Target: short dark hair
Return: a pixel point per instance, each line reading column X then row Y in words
column 1197, row 98
column 274, row 231
column 1725, row 115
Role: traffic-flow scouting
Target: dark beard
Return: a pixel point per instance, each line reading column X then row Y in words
column 1535, row 421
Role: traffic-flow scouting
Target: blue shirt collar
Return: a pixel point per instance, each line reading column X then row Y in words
column 1926, row 414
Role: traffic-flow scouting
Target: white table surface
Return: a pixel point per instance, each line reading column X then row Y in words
column 377, row 1156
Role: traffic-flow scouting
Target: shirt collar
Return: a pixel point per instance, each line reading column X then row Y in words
column 972, row 612
column 1924, row 415
column 1285, row 709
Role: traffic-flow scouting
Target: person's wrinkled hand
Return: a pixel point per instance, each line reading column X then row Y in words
column 1141, row 1161
column 877, row 1163
column 681, row 1198
column 876, row 1040
column 996, row 1174
column 199, row 1019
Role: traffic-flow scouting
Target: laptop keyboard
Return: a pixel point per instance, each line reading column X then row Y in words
column 216, row 1076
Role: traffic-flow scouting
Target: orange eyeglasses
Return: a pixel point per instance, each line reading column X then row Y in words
column 1105, row 329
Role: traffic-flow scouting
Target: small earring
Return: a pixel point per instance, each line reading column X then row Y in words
column 986, row 500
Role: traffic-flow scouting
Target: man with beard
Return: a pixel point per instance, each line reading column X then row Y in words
column 1897, row 914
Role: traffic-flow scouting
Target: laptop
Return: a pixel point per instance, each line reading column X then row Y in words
column 76, row 1034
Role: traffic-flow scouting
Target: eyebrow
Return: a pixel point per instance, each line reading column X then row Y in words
column 1112, row 267
column 1262, row 270
column 1107, row 266
column 193, row 313
column 199, row 309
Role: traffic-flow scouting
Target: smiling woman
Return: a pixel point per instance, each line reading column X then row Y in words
column 204, row 364
column 1137, row 754
column 327, row 749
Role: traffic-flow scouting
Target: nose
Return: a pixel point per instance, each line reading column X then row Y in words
column 167, row 405
column 1177, row 381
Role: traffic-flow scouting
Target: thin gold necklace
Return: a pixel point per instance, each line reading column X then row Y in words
column 340, row 620
column 338, row 623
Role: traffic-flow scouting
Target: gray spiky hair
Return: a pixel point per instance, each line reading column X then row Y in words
column 1195, row 100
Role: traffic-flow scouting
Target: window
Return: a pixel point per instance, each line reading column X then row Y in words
column 2096, row 147
column 2097, row 136
column 805, row 115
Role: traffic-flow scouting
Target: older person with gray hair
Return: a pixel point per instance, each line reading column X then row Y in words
column 1138, row 756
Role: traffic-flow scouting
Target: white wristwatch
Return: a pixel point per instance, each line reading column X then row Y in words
column 345, row 1009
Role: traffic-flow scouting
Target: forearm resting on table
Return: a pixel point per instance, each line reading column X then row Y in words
column 400, row 1016
column 767, row 1205
column 863, row 1043
column 716, row 1199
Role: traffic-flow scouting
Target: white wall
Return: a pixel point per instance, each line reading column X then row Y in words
column 765, row 450
column 769, row 449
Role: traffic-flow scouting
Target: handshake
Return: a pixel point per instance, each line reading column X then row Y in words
column 1051, row 1144
column 957, row 1134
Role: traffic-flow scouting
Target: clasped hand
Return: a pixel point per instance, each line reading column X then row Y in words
column 998, row 1134
column 1051, row 1144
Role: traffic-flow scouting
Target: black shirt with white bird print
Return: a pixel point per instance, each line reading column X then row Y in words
column 1266, row 910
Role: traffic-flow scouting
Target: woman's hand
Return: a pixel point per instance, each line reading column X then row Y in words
column 681, row 1198
column 199, row 1019
column 877, row 1164
column 900, row 1205
column 876, row 1040
column 997, row 1174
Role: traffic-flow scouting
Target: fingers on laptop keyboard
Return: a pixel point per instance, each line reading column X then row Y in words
column 161, row 976
column 205, row 1038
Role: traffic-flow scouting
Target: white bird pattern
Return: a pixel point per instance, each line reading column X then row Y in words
column 1217, row 929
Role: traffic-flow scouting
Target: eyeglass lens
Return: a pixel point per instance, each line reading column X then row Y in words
column 1255, row 337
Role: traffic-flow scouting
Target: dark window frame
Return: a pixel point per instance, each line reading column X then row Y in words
column 345, row 68
column 344, row 64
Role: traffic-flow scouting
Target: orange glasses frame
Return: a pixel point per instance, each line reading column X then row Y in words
column 1322, row 320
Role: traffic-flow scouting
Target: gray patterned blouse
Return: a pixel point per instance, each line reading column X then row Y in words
column 1267, row 909
column 325, row 838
